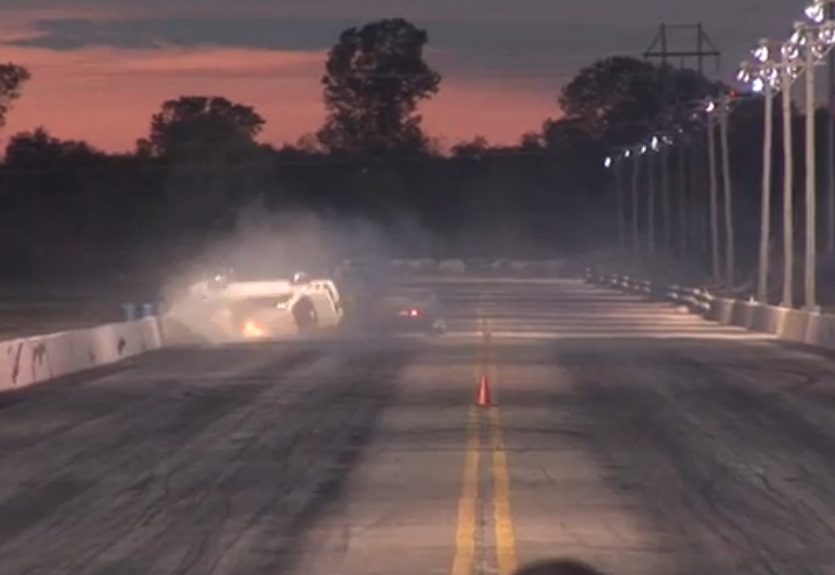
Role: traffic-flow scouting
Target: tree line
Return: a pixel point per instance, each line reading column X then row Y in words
column 70, row 208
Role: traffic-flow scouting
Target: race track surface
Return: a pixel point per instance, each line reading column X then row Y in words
column 624, row 433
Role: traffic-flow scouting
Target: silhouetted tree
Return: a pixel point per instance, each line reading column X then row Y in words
column 38, row 149
column 12, row 79
column 474, row 148
column 620, row 99
column 530, row 141
column 375, row 77
column 66, row 204
column 197, row 126
column 566, row 134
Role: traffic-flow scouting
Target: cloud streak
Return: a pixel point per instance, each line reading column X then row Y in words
column 541, row 46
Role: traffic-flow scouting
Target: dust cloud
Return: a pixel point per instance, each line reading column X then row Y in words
column 274, row 246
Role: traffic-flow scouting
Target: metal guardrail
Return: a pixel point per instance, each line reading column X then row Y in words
column 695, row 298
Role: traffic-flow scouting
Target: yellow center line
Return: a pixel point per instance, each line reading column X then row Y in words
column 502, row 508
column 468, row 505
column 465, row 537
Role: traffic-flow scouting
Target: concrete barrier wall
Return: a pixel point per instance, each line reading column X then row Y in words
column 786, row 324
column 36, row 359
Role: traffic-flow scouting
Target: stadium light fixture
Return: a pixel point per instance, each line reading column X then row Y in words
column 816, row 12
column 655, row 144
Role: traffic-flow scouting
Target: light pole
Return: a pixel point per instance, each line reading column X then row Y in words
column 700, row 238
column 818, row 12
column 714, row 192
column 681, row 164
column 777, row 75
column 636, row 172
column 666, row 216
column 765, row 209
column 812, row 42
column 810, row 277
column 786, row 82
column 616, row 164
column 651, row 189
column 756, row 76
column 724, row 105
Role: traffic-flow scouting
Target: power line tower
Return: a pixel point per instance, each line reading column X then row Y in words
column 684, row 45
column 665, row 48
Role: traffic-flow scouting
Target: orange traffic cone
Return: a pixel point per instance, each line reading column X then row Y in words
column 483, row 392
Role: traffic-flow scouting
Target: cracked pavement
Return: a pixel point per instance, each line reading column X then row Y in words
column 624, row 433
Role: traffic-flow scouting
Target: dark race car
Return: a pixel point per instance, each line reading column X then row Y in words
column 400, row 310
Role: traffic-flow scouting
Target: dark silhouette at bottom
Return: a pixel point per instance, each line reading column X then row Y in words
column 558, row 567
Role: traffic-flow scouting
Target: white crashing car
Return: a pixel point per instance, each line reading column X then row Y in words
column 224, row 308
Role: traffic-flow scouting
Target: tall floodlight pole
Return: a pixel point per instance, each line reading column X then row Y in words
column 665, row 193
column 814, row 42
column 756, row 75
column 830, row 146
column 765, row 210
column 636, row 181
column 714, row 192
column 698, row 206
column 810, row 267
column 819, row 12
column 724, row 112
column 651, row 199
column 681, row 164
column 786, row 82
column 616, row 165
column 778, row 72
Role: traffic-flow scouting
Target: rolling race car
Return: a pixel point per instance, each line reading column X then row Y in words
column 225, row 308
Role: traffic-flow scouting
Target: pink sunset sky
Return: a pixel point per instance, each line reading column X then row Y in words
column 102, row 67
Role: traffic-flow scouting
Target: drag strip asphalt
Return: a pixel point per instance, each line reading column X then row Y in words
column 621, row 432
